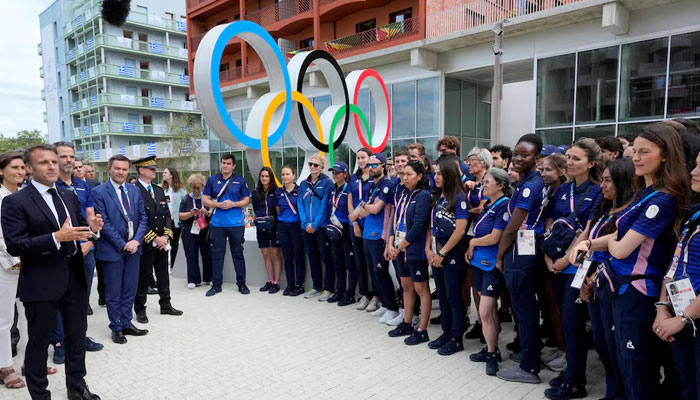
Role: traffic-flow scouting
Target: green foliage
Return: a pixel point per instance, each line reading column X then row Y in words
column 184, row 133
column 20, row 142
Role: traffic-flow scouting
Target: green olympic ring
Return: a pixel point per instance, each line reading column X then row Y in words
column 341, row 112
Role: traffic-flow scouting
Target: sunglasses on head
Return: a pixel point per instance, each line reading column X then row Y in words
column 313, row 164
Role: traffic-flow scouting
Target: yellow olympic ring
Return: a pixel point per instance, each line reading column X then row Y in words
column 277, row 101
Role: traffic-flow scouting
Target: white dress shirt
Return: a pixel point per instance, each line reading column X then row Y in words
column 44, row 191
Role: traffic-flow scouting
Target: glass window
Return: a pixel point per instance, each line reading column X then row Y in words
column 400, row 15
column 596, row 91
column 594, row 132
column 483, row 120
column 429, row 144
column 643, row 79
column 555, row 90
column 684, row 86
column 453, row 88
column 365, row 26
column 428, row 110
column 556, row 136
column 403, row 110
column 468, row 109
column 635, row 129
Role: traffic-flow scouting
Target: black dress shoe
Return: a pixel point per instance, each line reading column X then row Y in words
column 170, row 310
column 141, row 317
column 89, row 310
column 82, row 394
column 101, row 301
column 118, row 337
column 134, row 331
column 152, row 290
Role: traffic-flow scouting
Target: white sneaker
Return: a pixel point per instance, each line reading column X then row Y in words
column 311, row 293
column 170, row 271
column 325, row 295
column 191, row 286
column 373, row 305
column 548, row 356
column 557, row 364
column 388, row 316
column 363, row 303
column 395, row 321
column 379, row 312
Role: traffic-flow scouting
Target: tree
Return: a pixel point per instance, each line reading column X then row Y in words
column 22, row 141
column 184, row 135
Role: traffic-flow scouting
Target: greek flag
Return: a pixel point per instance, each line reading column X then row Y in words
column 182, row 26
column 86, row 130
column 79, row 153
column 75, row 106
column 126, row 71
column 82, row 76
column 122, row 150
column 90, row 45
column 156, row 48
column 128, row 127
column 97, row 155
column 184, row 79
column 158, row 102
column 79, row 21
column 151, row 149
column 186, row 147
column 71, row 54
column 93, row 100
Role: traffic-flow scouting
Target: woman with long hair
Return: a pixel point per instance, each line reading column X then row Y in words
column 195, row 237
column 314, row 193
column 578, row 197
column 264, row 208
column 174, row 193
column 641, row 250
column 358, row 186
column 289, row 232
column 408, row 235
column 617, row 188
column 339, row 231
column 482, row 254
column 518, row 257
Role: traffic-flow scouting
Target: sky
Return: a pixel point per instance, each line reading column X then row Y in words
column 21, row 106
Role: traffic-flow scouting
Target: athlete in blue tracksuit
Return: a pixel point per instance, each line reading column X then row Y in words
column 518, row 257
column 358, row 190
column 338, row 231
column 289, row 233
column 314, row 193
column 579, row 196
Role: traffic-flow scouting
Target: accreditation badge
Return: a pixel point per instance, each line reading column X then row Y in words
column 195, row 228
column 681, row 294
column 400, row 236
column 526, row 242
column 581, row 273
column 130, row 224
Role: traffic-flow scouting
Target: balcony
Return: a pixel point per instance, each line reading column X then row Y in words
column 372, row 39
column 131, row 45
column 477, row 13
column 195, row 4
column 46, row 118
column 150, row 21
column 43, row 94
column 150, row 103
column 131, row 128
column 41, row 71
column 38, row 49
column 293, row 14
column 291, row 54
column 131, row 73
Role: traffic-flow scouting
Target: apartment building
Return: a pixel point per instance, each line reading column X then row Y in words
column 570, row 68
column 113, row 89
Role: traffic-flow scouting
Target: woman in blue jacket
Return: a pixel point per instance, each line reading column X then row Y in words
column 339, row 231
column 264, row 203
column 289, row 232
column 314, row 193
column 409, row 242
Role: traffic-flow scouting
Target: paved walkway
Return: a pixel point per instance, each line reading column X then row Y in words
column 265, row 346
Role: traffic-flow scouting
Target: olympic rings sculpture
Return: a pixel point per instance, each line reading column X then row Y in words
column 273, row 112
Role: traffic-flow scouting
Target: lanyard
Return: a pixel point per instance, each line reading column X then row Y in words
column 490, row 210
column 194, row 201
column 634, row 207
column 683, row 244
column 403, row 211
column 223, row 188
column 267, row 210
column 119, row 195
column 479, row 192
column 289, row 203
column 360, row 188
column 571, row 197
column 336, row 200
column 594, row 234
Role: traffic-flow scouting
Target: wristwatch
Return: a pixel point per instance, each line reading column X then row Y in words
column 686, row 320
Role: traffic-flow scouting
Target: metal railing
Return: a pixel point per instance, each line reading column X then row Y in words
column 288, row 56
column 279, row 11
column 475, row 13
column 154, row 103
column 374, row 37
column 149, row 47
column 41, row 71
column 154, row 20
column 196, row 40
column 133, row 128
column 197, row 3
column 38, row 49
column 231, row 75
column 137, row 73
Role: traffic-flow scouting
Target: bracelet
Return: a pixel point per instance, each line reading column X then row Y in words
column 662, row 303
column 590, row 243
column 686, row 320
column 440, row 254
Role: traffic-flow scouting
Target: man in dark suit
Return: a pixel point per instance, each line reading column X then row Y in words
column 90, row 176
column 119, row 249
column 43, row 226
column 156, row 241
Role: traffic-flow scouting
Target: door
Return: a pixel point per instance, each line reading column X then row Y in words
column 143, row 42
column 144, row 72
column 145, row 96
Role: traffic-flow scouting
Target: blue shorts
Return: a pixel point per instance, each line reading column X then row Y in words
column 419, row 270
column 267, row 239
column 488, row 283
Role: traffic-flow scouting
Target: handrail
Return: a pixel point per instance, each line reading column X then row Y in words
column 373, row 37
column 279, row 11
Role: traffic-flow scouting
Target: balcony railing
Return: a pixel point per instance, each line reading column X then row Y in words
column 291, row 54
column 135, row 45
column 475, row 13
column 154, row 20
column 133, row 128
column 197, row 3
column 154, row 103
column 279, row 11
column 43, row 94
column 41, row 71
column 137, row 73
column 196, row 40
column 374, row 37
column 231, row 75
column 38, row 49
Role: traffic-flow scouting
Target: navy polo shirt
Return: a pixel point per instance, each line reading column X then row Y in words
column 691, row 244
column 528, row 197
column 360, row 191
column 417, row 221
column 339, row 200
column 374, row 223
column 264, row 206
column 653, row 219
column 561, row 206
column 461, row 211
column 287, row 203
column 399, row 201
column 81, row 189
column 475, row 196
column 237, row 190
column 596, row 226
column 494, row 217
